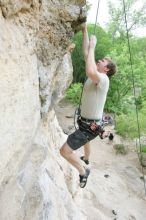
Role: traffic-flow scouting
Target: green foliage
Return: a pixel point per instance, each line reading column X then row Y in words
column 135, row 16
column 74, row 93
column 102, row 49
column 127, row 125
column 120, row 149
column 127, row 82
column 143, row 148
column 120, row 97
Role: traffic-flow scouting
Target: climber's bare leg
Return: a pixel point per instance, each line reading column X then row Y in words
column 87, row 151
column 72, row 158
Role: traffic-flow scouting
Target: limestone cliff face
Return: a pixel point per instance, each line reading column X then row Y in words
column 35, row 70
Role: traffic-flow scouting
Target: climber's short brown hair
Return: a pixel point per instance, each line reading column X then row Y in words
column 111, row 66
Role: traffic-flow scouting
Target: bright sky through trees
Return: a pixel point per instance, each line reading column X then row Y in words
column 103, row 14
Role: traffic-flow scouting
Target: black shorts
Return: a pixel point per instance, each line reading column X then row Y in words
column 79, row 138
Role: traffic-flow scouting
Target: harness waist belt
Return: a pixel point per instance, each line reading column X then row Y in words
column 90, row 120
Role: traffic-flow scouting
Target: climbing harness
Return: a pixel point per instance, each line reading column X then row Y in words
column 134, row 93
column 93, row 126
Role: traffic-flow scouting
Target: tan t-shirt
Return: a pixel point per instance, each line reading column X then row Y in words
column 94, row 97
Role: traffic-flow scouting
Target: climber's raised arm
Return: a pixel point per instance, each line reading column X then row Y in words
column 91, row 67
column 85, row 41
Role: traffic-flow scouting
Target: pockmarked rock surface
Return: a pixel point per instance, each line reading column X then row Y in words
column 35, row 70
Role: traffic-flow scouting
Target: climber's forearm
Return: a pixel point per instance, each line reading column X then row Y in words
column 85, row 42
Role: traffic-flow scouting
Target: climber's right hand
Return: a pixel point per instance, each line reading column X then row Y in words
column 93, row 41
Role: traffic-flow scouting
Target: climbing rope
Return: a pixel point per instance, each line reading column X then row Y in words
column 96, row 17
column 134, row 92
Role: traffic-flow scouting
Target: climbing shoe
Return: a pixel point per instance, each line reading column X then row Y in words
column 83, row 179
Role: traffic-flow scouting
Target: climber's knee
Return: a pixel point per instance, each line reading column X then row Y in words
column 65, row 150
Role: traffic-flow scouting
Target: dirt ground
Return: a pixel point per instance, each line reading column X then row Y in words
column 115, row 188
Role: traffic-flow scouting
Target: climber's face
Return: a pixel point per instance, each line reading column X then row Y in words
column 102, row 65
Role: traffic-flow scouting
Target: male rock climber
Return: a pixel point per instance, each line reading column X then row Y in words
column 92, row 105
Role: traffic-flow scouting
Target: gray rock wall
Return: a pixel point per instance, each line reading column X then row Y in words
column 35, row 70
